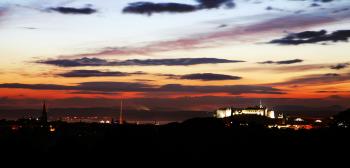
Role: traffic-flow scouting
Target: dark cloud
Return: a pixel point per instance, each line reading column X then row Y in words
column 144, row 80
column 175, row 62
column 71, row 10
column 222, row 26
column 313, row 37
column 340, row 66
column 209, row 4
column 210, row 77
column 94, row 93
column 149, row 7
column 331, row 75
column 3, row 12
column 335, row 97
column 76, row 62
column 282, row 62
column 299, row 11
column 232, row 89
column 205, row 77
column 141, row 87
column 341, row 10
column 87, row 86
column 316, row 79
column 35, row 86
column 315, row 5
column 332, row 91
column 270, row 8
column 135, row 62
column 324, row 1
column 95, row 73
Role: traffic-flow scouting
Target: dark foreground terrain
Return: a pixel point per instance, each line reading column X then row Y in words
column 198, row 140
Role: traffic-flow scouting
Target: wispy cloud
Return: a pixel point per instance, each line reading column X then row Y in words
column 207, row 40
column 316, row 79
column 284, row 69
column 341, row 10
column 134, row 62
column 332, row 91
column 3, row 12
column 30, row 28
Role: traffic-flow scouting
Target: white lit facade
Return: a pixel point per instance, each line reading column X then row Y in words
column 223, row 112
column 257, row 110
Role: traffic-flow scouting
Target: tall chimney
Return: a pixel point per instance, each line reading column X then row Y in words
column 121, row 112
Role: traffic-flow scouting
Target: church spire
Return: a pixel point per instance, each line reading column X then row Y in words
column 44, row 113
column 260, row 105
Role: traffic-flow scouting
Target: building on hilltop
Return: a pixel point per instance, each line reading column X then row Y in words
column 256, row 110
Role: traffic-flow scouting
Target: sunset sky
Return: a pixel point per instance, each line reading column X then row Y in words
column 173, row 55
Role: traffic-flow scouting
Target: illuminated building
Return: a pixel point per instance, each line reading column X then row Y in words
column 299, row 119
column 52, row 129
column 318, row 121
column 224, row 112
column 256, row 110
column 280, row 116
